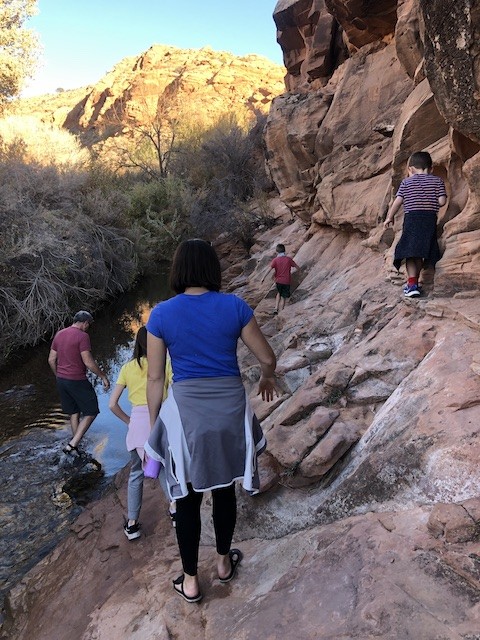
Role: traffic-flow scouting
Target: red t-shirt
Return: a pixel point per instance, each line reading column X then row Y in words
column 283, row 265
column 69, row 344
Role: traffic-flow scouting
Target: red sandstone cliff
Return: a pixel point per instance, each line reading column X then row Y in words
column 369, row 83
column 206, row 83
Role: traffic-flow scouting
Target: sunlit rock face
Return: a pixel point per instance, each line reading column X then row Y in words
column 213, row 83
column 204, row 82
column 368, row 84
column 310, row 40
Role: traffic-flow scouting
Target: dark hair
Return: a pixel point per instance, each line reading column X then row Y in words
column 83, row 316
column 280, row 248
column 420, row 160
column 195, row 264
column 140, row 348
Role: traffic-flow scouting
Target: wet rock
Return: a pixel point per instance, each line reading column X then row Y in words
column 17, row 393
column 38, row 479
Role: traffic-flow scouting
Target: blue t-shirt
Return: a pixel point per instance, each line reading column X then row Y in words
column 201, row 333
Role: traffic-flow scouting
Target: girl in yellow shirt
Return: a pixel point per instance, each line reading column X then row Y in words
column 133, row 376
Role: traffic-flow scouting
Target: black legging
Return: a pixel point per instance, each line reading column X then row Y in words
column 188, row 524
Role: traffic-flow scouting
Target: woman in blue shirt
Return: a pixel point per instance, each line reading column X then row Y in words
column 205, row 433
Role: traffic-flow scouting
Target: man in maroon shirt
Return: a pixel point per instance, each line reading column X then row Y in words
column 70, row 357
column 283, row 266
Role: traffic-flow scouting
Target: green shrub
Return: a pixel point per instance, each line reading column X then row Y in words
column 160, row 212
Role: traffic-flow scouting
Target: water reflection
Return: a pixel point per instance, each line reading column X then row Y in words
column 34, row 400
column 41, row 487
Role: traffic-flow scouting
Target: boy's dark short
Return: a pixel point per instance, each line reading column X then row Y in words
column 418, row 239
column 283, row 290
column 77, row 396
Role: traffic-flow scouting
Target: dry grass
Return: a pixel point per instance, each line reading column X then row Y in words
column 54, row 257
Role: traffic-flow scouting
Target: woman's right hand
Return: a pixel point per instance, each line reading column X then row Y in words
column 267, row 387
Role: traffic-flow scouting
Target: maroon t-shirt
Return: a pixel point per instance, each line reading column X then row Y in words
column 282, row 266
column 69, row 344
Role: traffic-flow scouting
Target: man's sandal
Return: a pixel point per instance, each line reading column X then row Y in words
column 69, row 449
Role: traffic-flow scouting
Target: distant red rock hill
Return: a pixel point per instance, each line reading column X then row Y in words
column 202, row 82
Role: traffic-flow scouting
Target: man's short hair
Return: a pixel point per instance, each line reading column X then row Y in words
column 420, row 160
column 280, row 248
column 83, row 316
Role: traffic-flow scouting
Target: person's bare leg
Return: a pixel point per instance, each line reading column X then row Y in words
column 191, row 587
column 282, row 304
column 277, row 302
column 74, row 420
column 224, row 565
column 411, row 267
column 414, row 266
column 82, row 429
column 419, row 266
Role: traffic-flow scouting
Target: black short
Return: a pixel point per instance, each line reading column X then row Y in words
column 418, row 239
column 77, row 396
column 283, row 290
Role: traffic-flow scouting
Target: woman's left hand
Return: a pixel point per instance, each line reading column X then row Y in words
column 267, row 388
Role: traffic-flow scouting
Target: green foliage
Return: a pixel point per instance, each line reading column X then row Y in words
column 18, row 47
column 160, row 211
column 149, row 196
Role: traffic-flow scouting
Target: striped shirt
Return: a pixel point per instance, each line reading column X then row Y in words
column 421, row 192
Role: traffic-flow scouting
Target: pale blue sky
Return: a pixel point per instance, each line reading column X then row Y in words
column 83, row 39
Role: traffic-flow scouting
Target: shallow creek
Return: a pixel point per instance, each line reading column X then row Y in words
column 42, row 489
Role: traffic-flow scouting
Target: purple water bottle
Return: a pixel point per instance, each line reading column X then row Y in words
column 151, row 467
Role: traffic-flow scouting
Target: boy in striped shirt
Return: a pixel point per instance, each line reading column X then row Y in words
column 421, row 194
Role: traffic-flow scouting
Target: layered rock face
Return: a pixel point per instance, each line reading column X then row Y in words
column 204, row 82
column 370, row 83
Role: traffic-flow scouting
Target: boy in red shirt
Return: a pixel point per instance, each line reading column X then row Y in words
column 283, row 266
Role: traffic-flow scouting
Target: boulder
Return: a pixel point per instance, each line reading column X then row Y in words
column 451, row 44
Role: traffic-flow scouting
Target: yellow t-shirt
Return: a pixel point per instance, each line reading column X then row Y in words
column 135, row 379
